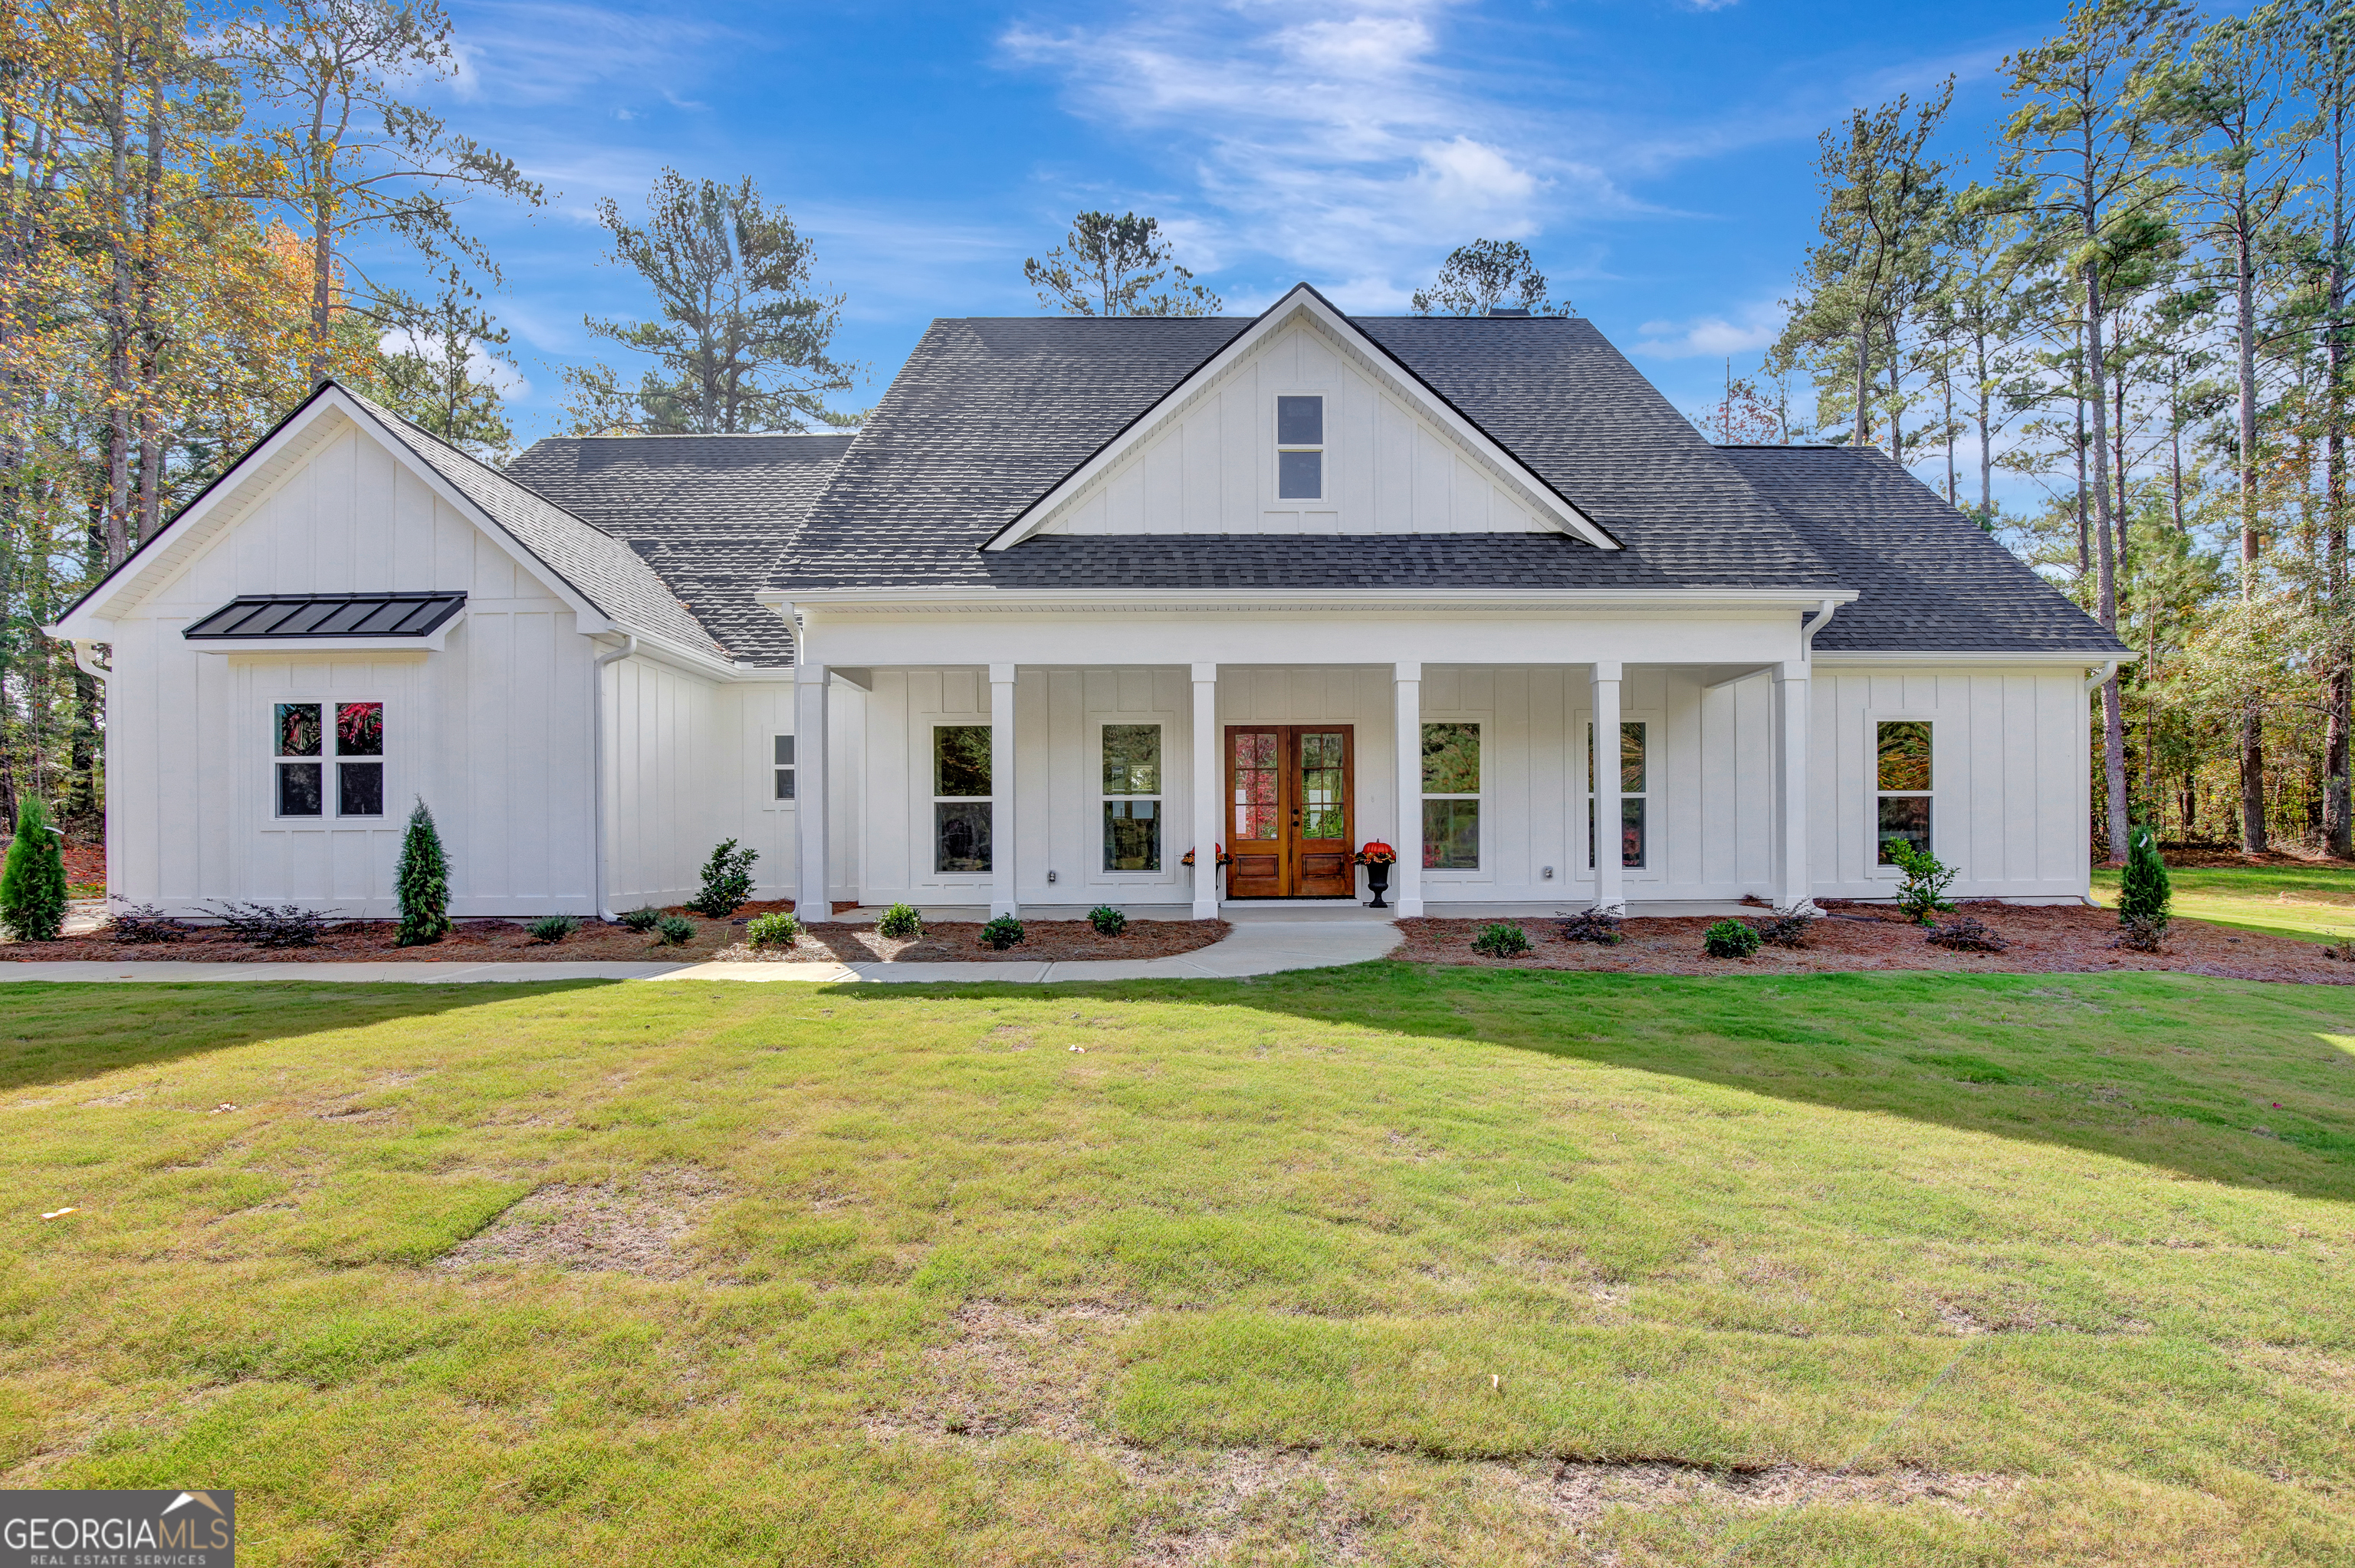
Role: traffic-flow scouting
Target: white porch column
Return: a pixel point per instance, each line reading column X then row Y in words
column 1407, row 684
column 1610, row 892
column 813, row 897
column 1795, row 879
column 1001, row 791
column 1209, row 803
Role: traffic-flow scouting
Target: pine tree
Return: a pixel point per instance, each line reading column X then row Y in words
column 421, row 881
column 32, row 885
column 2143, row 891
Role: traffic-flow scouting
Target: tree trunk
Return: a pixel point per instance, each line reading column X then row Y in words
column 1863, row 378
column 2338, row 801
column 1987, row 433
column 2244, row 331
column 2113, row 735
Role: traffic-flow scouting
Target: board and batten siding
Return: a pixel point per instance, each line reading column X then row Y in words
column 1389, row 468
column 492, row 731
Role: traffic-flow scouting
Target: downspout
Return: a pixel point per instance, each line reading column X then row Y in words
column 1824, row 612
column 2101, row 675
column 597, row 758
column 87, row 662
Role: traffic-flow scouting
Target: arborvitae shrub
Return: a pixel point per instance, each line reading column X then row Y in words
column 2143, row 891
column 33, row 882
column 421, row 880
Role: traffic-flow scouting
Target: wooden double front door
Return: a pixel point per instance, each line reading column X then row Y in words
column 1288, row 793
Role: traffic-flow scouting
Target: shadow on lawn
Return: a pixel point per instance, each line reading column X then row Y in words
column 2225, row 1081
column 62, row 1033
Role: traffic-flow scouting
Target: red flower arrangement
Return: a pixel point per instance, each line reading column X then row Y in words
column 1377, row 853
column 1218, row 853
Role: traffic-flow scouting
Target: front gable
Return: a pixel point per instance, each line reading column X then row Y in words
column 1395, row 458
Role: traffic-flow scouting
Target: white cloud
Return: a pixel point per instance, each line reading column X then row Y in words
column 1757, row 326
column 546, row 52
column 498, row 373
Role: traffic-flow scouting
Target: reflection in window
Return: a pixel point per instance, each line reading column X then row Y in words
column 1300, row 448
column 300, row 784
column 1451, row 797
column 1903, row 785
column 302, row 742
column 1256, row 777
column 961, row 810
column 1635, row 795
column 1131, row 797
column 1324, row 784
column 359, row 786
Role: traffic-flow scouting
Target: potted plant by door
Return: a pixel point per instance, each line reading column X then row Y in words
column 1378, row 858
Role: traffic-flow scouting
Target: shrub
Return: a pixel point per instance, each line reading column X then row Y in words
column 145, row 923
column 552, row 927
column 1002, row 933
column 1922, row 893
column 727, row 881
column 421, row 880
column 2141, row 935
column 1593, row 926
column 1729, row 939
column 273, row 926
column 901, row 921
column 642, row 920
column 674, row 930
column 33, row 882
column 1107, row 920
column 1501, row 941
column 2143, row 894
column 1968, row 934
column 778, row 930
column 1783, row 930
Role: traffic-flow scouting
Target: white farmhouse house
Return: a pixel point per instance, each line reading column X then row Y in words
column 1083, row 598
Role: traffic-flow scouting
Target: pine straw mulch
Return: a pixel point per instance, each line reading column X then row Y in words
column 506, row 941
column 2229, row 857
column 2045, row 939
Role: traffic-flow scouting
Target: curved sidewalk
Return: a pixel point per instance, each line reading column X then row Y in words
column 1258, row 948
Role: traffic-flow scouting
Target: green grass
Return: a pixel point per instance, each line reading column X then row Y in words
column 2315, row 903
column 1330, row 1266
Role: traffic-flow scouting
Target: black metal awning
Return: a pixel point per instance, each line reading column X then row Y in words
column 255, row 616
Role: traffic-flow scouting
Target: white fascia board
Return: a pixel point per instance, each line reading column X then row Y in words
column 1093, row 600
column 1304, row 301
column 1911, row 657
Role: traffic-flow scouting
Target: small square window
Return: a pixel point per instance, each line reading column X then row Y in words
column 299, row 793
column 360, row 788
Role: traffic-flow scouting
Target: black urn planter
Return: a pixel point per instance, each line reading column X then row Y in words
column 1377, row 878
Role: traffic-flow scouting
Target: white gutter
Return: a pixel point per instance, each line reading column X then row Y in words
column 597, row 758
column 86, row 660
column 2102, row 674
column 1824, row 612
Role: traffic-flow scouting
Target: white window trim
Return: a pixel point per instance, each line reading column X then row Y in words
column 1873, row 720
column 768, row 771
column 1485, row 871
column 1652, row 720
column 927, row 832
column 1168, row 874
column 328, row 821
column 1276, row 448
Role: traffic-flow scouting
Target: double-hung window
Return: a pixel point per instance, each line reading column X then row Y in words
column 783, row 756
column 1902, row 783
column 1451, row 797
column 1131, row 797
column 1635, row 795
column 304, row 742
column 1300, row 448
column 961, row 804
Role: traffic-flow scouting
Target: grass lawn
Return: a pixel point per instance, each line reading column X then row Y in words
column 1384, row 1265
column 2317, row 903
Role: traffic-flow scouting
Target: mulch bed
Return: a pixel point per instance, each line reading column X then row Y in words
column 2222, row 857
column 506, row 941
column 2045, row 939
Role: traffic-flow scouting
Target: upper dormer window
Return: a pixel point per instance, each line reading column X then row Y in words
column 1300, row 448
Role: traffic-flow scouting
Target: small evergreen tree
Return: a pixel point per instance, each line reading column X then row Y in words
column 727, row 881
column 2144, row 893
column 33, row 883
column 421, row 880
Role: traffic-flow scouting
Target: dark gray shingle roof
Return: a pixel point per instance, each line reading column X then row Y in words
column 1932, row 579
column 710, row 513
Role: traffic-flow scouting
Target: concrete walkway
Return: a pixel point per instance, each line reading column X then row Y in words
column 1260, row 947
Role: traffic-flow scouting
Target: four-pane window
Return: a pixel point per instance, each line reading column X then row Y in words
column 1903, row 765
column 1451, row 797
column 1300, row 448
column 961, row 804
column 307, row 736
column 1131, row 797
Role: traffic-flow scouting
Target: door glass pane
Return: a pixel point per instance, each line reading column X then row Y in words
column 1451, row 835
column 1323, row 811
column 961, row 836
column 1132, row 837
column 1904, row 818
column 1631, row 832
column 1451, row 759
column 359, row 729
column 1255, row 785
column 1131, row 759
column 1905, row 755
column 298, row 729
column 298, row 789
column 360, row 788
column 961, row 759
column 1631, row 758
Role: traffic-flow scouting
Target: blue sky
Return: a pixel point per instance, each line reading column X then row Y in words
column 1657, row 157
